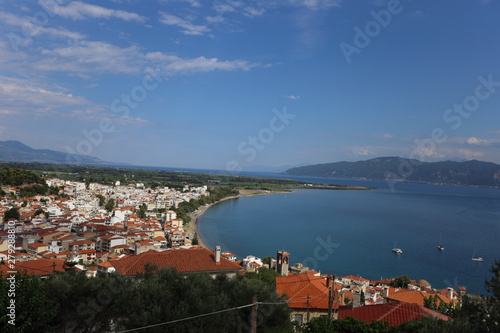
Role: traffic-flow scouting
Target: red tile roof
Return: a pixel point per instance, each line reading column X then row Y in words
column 415, row 296
column 393, row 313
column 40, row 266
column 305, row 290
column 183, row 260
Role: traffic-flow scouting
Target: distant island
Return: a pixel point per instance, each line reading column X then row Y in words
column 468, row 173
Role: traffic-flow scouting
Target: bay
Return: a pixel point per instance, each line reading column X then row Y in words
column 353, row 232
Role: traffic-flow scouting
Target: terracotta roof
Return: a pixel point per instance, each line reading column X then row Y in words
column 305, row 290
column 183, row 260
column 393, row 313
column 414, row 296
column 356, row 278
column 40, row 266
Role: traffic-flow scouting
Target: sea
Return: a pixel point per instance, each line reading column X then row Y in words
column 353, row 232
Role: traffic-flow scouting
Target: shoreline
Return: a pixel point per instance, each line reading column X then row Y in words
column 197, row 214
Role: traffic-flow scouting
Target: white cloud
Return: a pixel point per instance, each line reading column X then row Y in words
column 419, row 13
column 253, row 12
column 77, row 10
column 481, row 142
column 316, row 4
column 470, row 154
column 193, row 3
column 28, row 29
column 189, row 28
column 92, row 57
column 98, row 113
column 87, row 58
column 292, row 96
column 19, row 96
column 202, row 64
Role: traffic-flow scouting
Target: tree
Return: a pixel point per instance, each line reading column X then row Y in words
column 12, row 213
column 142, row 211
column 401, row 281
column 267, row 260
column 493, row 285
column 102, row 199
column 195, row 240
column 110, row 205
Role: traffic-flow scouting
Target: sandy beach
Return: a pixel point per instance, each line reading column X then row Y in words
column 196, row 215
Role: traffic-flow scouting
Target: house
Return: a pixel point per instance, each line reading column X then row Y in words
column 393, row 313
column 414, row 296
column 229, row 256
column 36, row 248
column 308, row 295
column 105, row 267
column 80, row 245
column 252, row 263
column 192, row 260
column 39, row 267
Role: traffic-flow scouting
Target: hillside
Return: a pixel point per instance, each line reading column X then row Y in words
column 15, row 151
column 471, row 173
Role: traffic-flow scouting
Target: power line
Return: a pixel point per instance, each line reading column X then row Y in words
column 193, row 317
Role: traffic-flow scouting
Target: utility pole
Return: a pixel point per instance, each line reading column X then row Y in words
column 253, row 316
column 330, row 286
column 308, row 316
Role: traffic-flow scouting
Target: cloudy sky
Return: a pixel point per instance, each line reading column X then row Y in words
column 230, row 84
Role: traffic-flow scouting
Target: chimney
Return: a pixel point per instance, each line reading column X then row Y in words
column 217, row 254
column 385, row 292
column 449, row 293
column 356, row 301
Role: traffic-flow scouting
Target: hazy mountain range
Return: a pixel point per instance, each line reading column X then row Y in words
column 471, row 173
column 15, row 151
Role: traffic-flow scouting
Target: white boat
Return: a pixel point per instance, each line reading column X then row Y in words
column 474, row 258
column 397, row 250
column 441, row 247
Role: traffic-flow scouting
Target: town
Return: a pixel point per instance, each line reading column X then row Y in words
column 101, row 229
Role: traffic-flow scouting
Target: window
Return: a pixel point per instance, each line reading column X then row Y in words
column 298, row 318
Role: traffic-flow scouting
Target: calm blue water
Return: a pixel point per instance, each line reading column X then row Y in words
column 363, row 226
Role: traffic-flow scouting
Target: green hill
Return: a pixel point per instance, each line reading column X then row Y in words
column 470, row 173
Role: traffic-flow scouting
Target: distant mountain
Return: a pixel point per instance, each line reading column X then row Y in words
column 15, row 151
column 470, row 173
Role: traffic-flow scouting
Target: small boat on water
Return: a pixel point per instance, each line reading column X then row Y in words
column 441, row 247
column 476, row 258
column 397, row 250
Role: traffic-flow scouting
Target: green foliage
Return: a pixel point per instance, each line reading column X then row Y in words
column 348, row 325
column 400, row 281
column 33, row 310
column 493, row 285
column 264, row 274
column 216, row 194
column 12, row 213
column 141, row 213
column 17, row 177
column 110, row 205
column 102, row 199
column 71, row 302
column 195, row 240
column 267, row 260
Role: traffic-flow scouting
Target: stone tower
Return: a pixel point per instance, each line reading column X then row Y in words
column 282, row 262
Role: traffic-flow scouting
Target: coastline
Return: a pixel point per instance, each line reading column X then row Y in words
column 196, row 215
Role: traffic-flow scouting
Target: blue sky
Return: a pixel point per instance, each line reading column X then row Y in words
column 230, row 84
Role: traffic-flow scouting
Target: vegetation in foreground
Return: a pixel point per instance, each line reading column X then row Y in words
column 71, row 302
